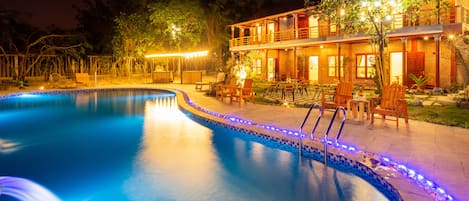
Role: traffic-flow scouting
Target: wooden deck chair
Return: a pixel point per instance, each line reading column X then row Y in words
column 245, row 92
column 392, row 103
column 343, row 93
column 225, row 90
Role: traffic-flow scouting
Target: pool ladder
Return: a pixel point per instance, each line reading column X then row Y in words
column 326, row 136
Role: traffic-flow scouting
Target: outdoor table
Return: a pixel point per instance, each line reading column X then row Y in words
column 359, row 106
column 200, row 85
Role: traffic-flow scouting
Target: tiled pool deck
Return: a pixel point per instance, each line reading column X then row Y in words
column 440, row 153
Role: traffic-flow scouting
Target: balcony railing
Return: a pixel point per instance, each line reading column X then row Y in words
column 427, row 17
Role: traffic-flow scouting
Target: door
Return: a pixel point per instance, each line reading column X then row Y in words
column 271, row 32
column 415, row 65
column 313, row 69
column 313, row 27
column 396, row 67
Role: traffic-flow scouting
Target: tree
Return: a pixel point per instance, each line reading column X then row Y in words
column 97, row 21
column 135, row 35
column 47, row 44
column 181, row 22
column 369, row 17
column 30, row 44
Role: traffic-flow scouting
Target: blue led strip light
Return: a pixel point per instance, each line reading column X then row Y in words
column 437, row 192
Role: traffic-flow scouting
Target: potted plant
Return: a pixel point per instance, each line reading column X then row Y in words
column 420, row 82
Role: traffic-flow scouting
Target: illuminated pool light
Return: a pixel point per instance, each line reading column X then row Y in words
column 411, row 173
column 420, row 177
column 27, row 95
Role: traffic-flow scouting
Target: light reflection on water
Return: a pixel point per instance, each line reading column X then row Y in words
column 188, row 161
column 175, row 154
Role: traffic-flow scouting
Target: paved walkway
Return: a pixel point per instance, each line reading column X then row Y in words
column 440, row 153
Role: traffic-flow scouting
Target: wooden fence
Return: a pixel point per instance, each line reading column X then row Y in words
column 67, row 66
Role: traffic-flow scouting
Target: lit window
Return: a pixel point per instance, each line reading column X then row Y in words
column 259, row 33
column 366, row 65
column 333, row 28
column 257, row 66
column 332, row 63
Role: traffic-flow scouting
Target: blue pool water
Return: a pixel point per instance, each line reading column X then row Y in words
column 137, row 145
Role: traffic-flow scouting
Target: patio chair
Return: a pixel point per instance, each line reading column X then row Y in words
column 392, row 103
column 288, row 89
column 274, row 87
column 244, row 93
column 225, row 90
column 302, row 86
column 343, row 93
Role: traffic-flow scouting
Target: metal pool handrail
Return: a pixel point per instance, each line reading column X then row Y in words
column 300, row 135
column 326, row 139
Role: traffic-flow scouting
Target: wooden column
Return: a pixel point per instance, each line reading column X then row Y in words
column 266, row 58
column 437, row 59
column 232, row 60
column 453, row 64
column 350, row 66
column 338, row 64
column 241, row 35
column 295, row 29
column 404, row 61
column 295, row 64
column 232, row 36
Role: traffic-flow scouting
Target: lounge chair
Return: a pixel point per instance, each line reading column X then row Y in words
column 392, row 103
column 245, row 92
column 225, row 90
column 343, row 93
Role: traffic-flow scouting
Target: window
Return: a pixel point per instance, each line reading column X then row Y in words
column 333, row 27
column 332, row 63
column 256, row 66
column 366, row 65
column 259, row 33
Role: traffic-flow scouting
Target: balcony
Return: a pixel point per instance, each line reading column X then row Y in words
column 455, row 20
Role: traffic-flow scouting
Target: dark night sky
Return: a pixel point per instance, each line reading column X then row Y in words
column 43, row 13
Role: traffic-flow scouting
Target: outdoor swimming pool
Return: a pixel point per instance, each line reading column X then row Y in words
column 137, row 145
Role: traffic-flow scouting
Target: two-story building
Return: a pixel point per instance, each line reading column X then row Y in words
column 296, row 44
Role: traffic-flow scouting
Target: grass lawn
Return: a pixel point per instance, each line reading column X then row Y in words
column 446, row 115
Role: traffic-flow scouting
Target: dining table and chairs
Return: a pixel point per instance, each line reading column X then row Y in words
column 290, row 88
